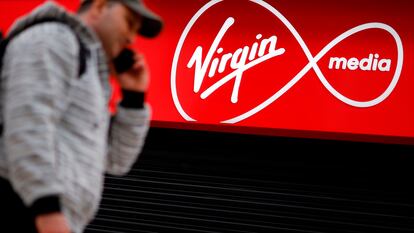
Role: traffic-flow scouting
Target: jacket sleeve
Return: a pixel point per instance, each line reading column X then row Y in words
column 128, row 131
column 38, row 66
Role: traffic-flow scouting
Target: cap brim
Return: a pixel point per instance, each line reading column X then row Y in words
column 151, row 23
column 150, row 27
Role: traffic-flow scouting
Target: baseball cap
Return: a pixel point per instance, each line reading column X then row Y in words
column 151, row 23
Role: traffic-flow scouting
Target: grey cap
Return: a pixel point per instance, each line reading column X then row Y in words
column 151, row 24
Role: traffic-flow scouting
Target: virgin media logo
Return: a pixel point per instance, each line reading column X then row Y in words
column 227, row 68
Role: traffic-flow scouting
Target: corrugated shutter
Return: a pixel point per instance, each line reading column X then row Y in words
column 192, row 181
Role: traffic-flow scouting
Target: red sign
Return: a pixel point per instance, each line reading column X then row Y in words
column 323, row 69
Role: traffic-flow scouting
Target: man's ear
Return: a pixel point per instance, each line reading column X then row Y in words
column 97, row 7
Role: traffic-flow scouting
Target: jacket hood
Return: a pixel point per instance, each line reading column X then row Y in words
column 51, row 11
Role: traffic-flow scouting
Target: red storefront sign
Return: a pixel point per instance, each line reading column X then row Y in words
column 323, row 69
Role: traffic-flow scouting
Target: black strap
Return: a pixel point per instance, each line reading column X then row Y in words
column 83, row 56
column 3, row 44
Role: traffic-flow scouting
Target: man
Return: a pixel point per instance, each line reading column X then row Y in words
column 55, row 145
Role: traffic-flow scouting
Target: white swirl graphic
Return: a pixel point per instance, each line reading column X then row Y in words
column 311, row 65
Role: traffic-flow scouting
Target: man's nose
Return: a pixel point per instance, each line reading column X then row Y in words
column 131, row 37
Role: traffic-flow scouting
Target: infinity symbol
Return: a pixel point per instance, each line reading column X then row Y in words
column 311, row 65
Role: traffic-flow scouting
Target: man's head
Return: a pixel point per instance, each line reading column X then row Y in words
column 117, row 22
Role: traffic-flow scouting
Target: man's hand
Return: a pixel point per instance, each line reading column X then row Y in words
column 52, row 223
column 136, row 78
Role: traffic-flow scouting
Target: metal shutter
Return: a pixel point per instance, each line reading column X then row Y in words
column 194, row 181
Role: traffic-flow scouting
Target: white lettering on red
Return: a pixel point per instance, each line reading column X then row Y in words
column 239, row 61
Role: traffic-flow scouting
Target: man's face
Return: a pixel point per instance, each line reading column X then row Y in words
column 117, row 27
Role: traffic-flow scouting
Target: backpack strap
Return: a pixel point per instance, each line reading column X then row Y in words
column 83, row 50
column 83, row 56
column 3, row 44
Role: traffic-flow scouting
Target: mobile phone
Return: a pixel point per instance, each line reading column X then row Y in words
column 124, row 61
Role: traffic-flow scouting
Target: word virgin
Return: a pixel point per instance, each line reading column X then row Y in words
column 240, row 60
